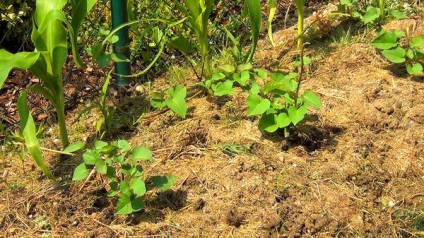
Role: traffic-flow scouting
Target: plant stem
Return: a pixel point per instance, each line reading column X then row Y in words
column 60, row 112
column 300, row 39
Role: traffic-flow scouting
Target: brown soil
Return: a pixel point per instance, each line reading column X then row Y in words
column 354, row 169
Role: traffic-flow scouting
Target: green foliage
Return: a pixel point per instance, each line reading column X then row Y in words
column 175, row 99
column 223, row 83
column 120, row 164
column 277, row 102
column 378, row 12
column 50, row 38
column 411, row 53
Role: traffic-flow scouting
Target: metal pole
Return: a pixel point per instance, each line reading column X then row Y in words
column 120, row 16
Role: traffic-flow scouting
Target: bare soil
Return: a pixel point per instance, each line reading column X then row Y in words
column 354, row 169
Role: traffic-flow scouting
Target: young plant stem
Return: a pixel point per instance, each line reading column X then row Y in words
column 300, row 39
column 60, row 111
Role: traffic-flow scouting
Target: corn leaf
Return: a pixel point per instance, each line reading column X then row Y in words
column 255, row 15
column 29, row 133
column 8, row 61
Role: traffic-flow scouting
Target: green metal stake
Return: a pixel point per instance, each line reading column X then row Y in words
column 119, row 17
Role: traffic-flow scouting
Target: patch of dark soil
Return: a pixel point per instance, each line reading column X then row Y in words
column 236, row 218
column 174, row 200
column 151, row 215
column 313, row 138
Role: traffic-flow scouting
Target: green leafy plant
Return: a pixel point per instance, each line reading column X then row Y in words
column 377, row 12
column 279, row 100
column 119, row 163
column 279, row 103
column 50, row 38
column 410, row 53
column 175, row 99
column 223, row 83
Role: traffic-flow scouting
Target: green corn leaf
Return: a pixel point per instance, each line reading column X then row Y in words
column 81, row 172
column 396, row 55
column 255, row 15
column 163, row 182
column 385, row 41
column 138, row 187
column 272, row 8
column 128, row 204
column 223, row 88
column 74, row 147
column 22, row 60
column 415, row 68
column 141, row 153
column 29, row 133
column 177, row 101
column 80, row 9
column 256, row 105
column 312, row 99
column 296, row 114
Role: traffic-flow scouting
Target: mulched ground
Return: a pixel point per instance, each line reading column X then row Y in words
column 355, row 169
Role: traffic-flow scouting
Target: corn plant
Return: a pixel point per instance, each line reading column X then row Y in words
column 411, row 53
column 119, row 163
column 49, row 36
column 198, row 12
column 279, row 101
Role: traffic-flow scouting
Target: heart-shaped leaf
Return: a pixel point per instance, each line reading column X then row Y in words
column 128, row 204
column 312, row 99
column 177, row 101
column 385, row 41
column 80, row 172
column 296, row 114
column 396, row 55
column 138, row 187
column 223, row 88
column 415, row 68
column 256, row 105
column 141, row 153
column 267, row 123
column 74, row 147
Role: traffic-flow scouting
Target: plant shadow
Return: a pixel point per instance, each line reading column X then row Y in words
column 311, row 137
column 169, row 199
